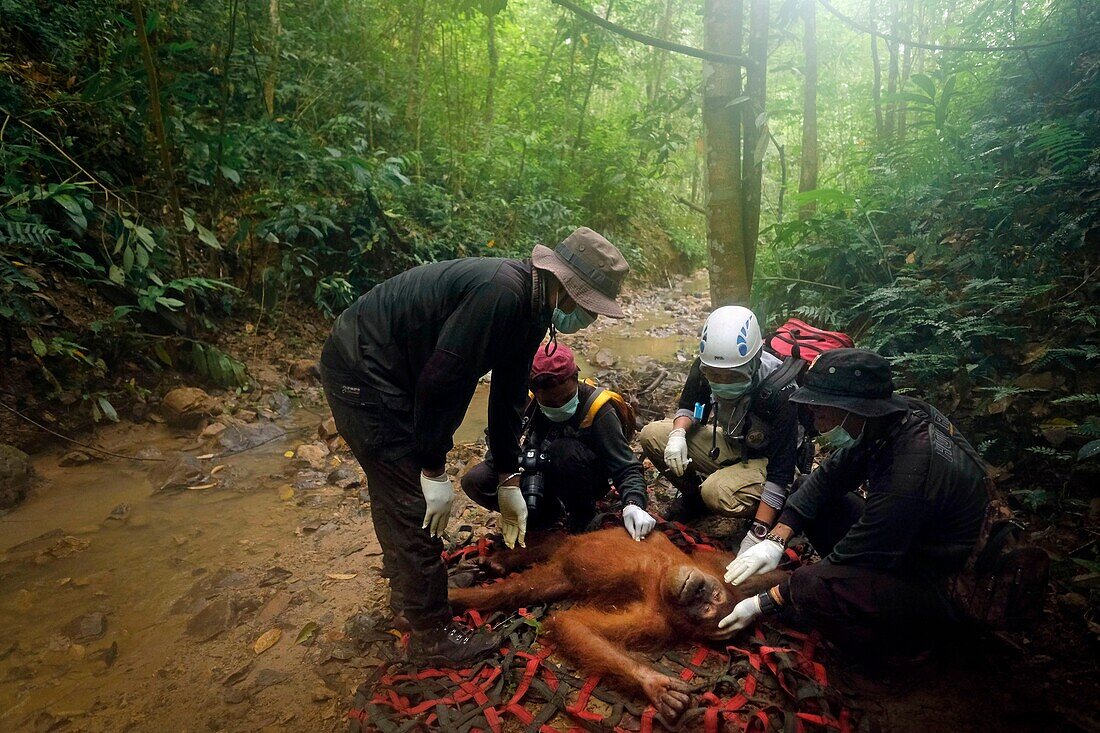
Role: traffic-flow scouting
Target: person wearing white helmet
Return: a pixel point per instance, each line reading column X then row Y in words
column 731, row 447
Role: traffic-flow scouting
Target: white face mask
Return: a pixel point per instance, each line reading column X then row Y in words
column 836, row 438
column 563, row 413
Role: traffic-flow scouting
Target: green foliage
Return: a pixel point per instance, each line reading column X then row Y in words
column 217, row 366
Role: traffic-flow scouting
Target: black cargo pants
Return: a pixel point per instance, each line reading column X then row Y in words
column 575, row 480
column 868, row 611
column 376, row 429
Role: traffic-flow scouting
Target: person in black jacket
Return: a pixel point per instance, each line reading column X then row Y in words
column 574, row 446
column 731, row 447
column 399, row 370
column 886, row 555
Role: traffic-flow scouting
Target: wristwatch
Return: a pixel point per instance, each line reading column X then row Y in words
column 777, row 539
column 759, row 530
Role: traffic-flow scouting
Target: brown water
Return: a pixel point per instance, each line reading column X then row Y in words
column 131, row 570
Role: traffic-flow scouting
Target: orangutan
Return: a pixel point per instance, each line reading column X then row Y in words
column 630, row 595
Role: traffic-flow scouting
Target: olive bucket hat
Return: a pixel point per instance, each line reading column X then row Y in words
column 590, row 269
column 855, row 380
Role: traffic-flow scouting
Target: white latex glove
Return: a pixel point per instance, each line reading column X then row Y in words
column 676, row 452
column 439, row 494
column 750, row 540
column 743, row 614
column 638, row 521
column 513, row 516
column 760, row 558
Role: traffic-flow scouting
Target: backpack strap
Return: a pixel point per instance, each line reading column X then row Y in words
column 765, row 402
column 592, row 405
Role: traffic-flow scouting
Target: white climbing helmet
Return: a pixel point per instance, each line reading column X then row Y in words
column 730, row 337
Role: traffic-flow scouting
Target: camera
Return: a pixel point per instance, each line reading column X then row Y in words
column 532, row 485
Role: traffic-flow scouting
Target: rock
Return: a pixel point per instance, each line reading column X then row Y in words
column 234, row 696
column 1074, row 602
column 64, row 547
column 215, row 618
column 204, row 588
column 268, row 677
column 312, row 455
column 120, row 512
column 149, row 453
column 322, row 694
column 242, row 437
column 212, row 430
column 326, row 430
column 246, row 415
column 280, row 403
column 274, row 576
column 15, row 475
column 179, row 471
column 604, row 358
column 303, row 369
column 273, row 608
column 75, row 458
column 88, row 627
column 186, row 407
column 344, row 477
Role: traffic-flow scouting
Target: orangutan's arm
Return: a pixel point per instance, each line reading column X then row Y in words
column 597, row 641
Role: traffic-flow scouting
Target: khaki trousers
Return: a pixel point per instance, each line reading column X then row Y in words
column 728, row 490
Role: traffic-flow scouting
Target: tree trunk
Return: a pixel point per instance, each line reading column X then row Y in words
column 271, row 77
column 722, row 30
column 157, row 115
column 876, row 84
column 906, row 66
column 892, row 78
column 588, row 87
column 755, row 126
column 807, row 172
column 412, row 101
column 653, row 88
column 494, row 62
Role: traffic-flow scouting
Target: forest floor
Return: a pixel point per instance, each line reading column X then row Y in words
column 224, row 591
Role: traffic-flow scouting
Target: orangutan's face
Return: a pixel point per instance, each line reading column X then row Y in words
column 705, row 600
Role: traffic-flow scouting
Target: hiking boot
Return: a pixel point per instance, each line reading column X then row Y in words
column 686, row 507
column 452, row 645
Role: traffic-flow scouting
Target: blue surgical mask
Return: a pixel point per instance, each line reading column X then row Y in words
column 572, row 322
column 563, row 413
column 836, row 438
column 730, row 391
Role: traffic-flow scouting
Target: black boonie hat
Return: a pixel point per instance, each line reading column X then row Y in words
column 855, row 380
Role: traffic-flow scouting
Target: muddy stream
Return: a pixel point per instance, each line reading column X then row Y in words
column 126, row 607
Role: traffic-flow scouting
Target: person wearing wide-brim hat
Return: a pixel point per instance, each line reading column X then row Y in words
column 886, row 554
column 399, row 370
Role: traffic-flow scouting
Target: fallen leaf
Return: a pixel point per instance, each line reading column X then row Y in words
column 305, row 636
column 341, row 576
column 217, row 468
column 206, row 456
column 288, row 454
column 286, row 493
column 202, row 487
column 267, row 641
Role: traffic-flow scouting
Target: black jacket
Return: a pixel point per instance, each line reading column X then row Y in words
column 604, row 437
column 776, row 423
column 926, row 495
column 423, row 338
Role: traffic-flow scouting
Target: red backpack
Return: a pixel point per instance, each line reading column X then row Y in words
column 802, row 341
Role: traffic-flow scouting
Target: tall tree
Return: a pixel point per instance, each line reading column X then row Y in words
column 272, row 74
column 755, row 127
column 722, row 32
column 807, row 175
